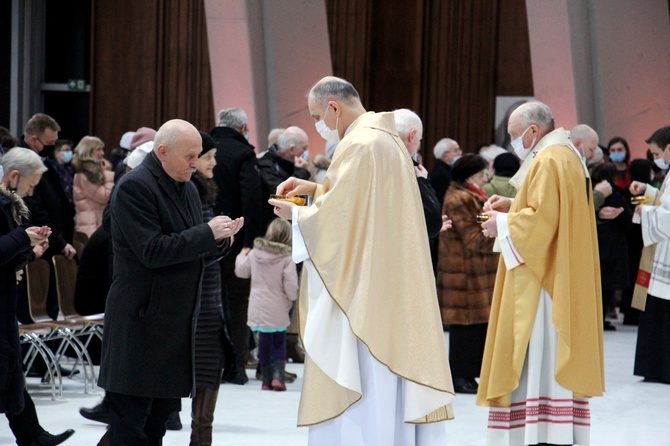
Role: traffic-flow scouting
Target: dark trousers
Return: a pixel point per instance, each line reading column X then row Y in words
column 271, row 346
column 25, row 426
column 236, row 292
column 466, row 349
column 137, row 420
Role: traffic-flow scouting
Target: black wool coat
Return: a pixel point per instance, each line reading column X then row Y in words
column 274, row 170
column 160, row 246
column 15, row 251
column 50, row 206
column 236, row 176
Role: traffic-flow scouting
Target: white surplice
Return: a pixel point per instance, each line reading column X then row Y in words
column 541, row 411
column 387, row 402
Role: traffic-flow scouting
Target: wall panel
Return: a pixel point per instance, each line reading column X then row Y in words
column 150, row 63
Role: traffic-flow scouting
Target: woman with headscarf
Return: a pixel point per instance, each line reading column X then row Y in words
column 466, row 272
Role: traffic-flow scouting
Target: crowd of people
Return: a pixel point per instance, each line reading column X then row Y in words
column 524, row 254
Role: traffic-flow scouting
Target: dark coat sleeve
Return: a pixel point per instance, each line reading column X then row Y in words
column 431, row 207
column 154, row 245
column 251, row 197
column 14, row 247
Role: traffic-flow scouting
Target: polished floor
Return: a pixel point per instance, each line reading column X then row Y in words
column 631, row 413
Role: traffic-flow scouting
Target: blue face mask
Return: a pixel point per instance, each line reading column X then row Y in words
column 617, row 157
column 247, row 136
column 66, row 156
column 305, row 155
column 2, row 172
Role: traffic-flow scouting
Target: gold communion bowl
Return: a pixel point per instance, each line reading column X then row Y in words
column 298, row 199
column 481, row 218
column 640, row 199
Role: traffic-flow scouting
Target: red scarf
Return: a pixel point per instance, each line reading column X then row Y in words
column 476, row 189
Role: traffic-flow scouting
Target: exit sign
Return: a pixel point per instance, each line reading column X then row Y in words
column 76, row 84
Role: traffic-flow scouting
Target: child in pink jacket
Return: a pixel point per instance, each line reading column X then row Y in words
column 274, row 288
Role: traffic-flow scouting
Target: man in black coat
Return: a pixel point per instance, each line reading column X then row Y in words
column 446, row 152
column 282, row 161
column 236, row 176
column 49, row 204
column 160, row 244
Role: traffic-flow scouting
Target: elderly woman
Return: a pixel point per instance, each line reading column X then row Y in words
column 213, row 348
column 93, row 184
column 22, row 170
column 466, row 272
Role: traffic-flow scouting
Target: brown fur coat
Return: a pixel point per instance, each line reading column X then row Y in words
column 467, row 266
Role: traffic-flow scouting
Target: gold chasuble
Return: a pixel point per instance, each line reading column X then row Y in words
column 552, row 226
column 366, row 238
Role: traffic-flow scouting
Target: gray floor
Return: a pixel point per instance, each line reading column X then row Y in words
column 631, row 413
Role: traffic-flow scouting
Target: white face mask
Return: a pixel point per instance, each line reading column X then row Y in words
column 660, row 162
column 330, row 135
column 519, row 149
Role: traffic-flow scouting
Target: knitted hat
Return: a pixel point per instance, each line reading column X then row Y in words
column 506, row 165
column 466, row 166
column 142, row 135
column 126, row 139
column 137, row 156
column 491, row 152
column 207, row 143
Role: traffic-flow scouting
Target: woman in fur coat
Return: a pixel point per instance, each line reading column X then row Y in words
column 466, row 272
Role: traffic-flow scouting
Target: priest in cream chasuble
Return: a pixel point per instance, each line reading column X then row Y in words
column 376, row 368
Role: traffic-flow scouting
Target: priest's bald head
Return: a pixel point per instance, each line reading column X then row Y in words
column 528, row 124
column 585, row 139
column 334, row 104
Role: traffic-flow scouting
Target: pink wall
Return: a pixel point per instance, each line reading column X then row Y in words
column 605, row 63
column 551, row 58
column 632, row 69
column 265, row 55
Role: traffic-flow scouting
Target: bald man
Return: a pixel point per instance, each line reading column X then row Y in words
column 544, row 344
column 283, row 160
column 585, row 139
column 160, row 247
column 376, row 369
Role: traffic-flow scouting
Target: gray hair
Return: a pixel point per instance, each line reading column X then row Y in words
column 535, row 113
column 235, row 118
column 405, row 121
column 334, row 89
column 442, row 146
column 24, row 160
column 292, row 136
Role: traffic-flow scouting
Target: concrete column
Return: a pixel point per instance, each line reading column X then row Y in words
column 604, row 63
column 264, row 56
column 551, row 58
